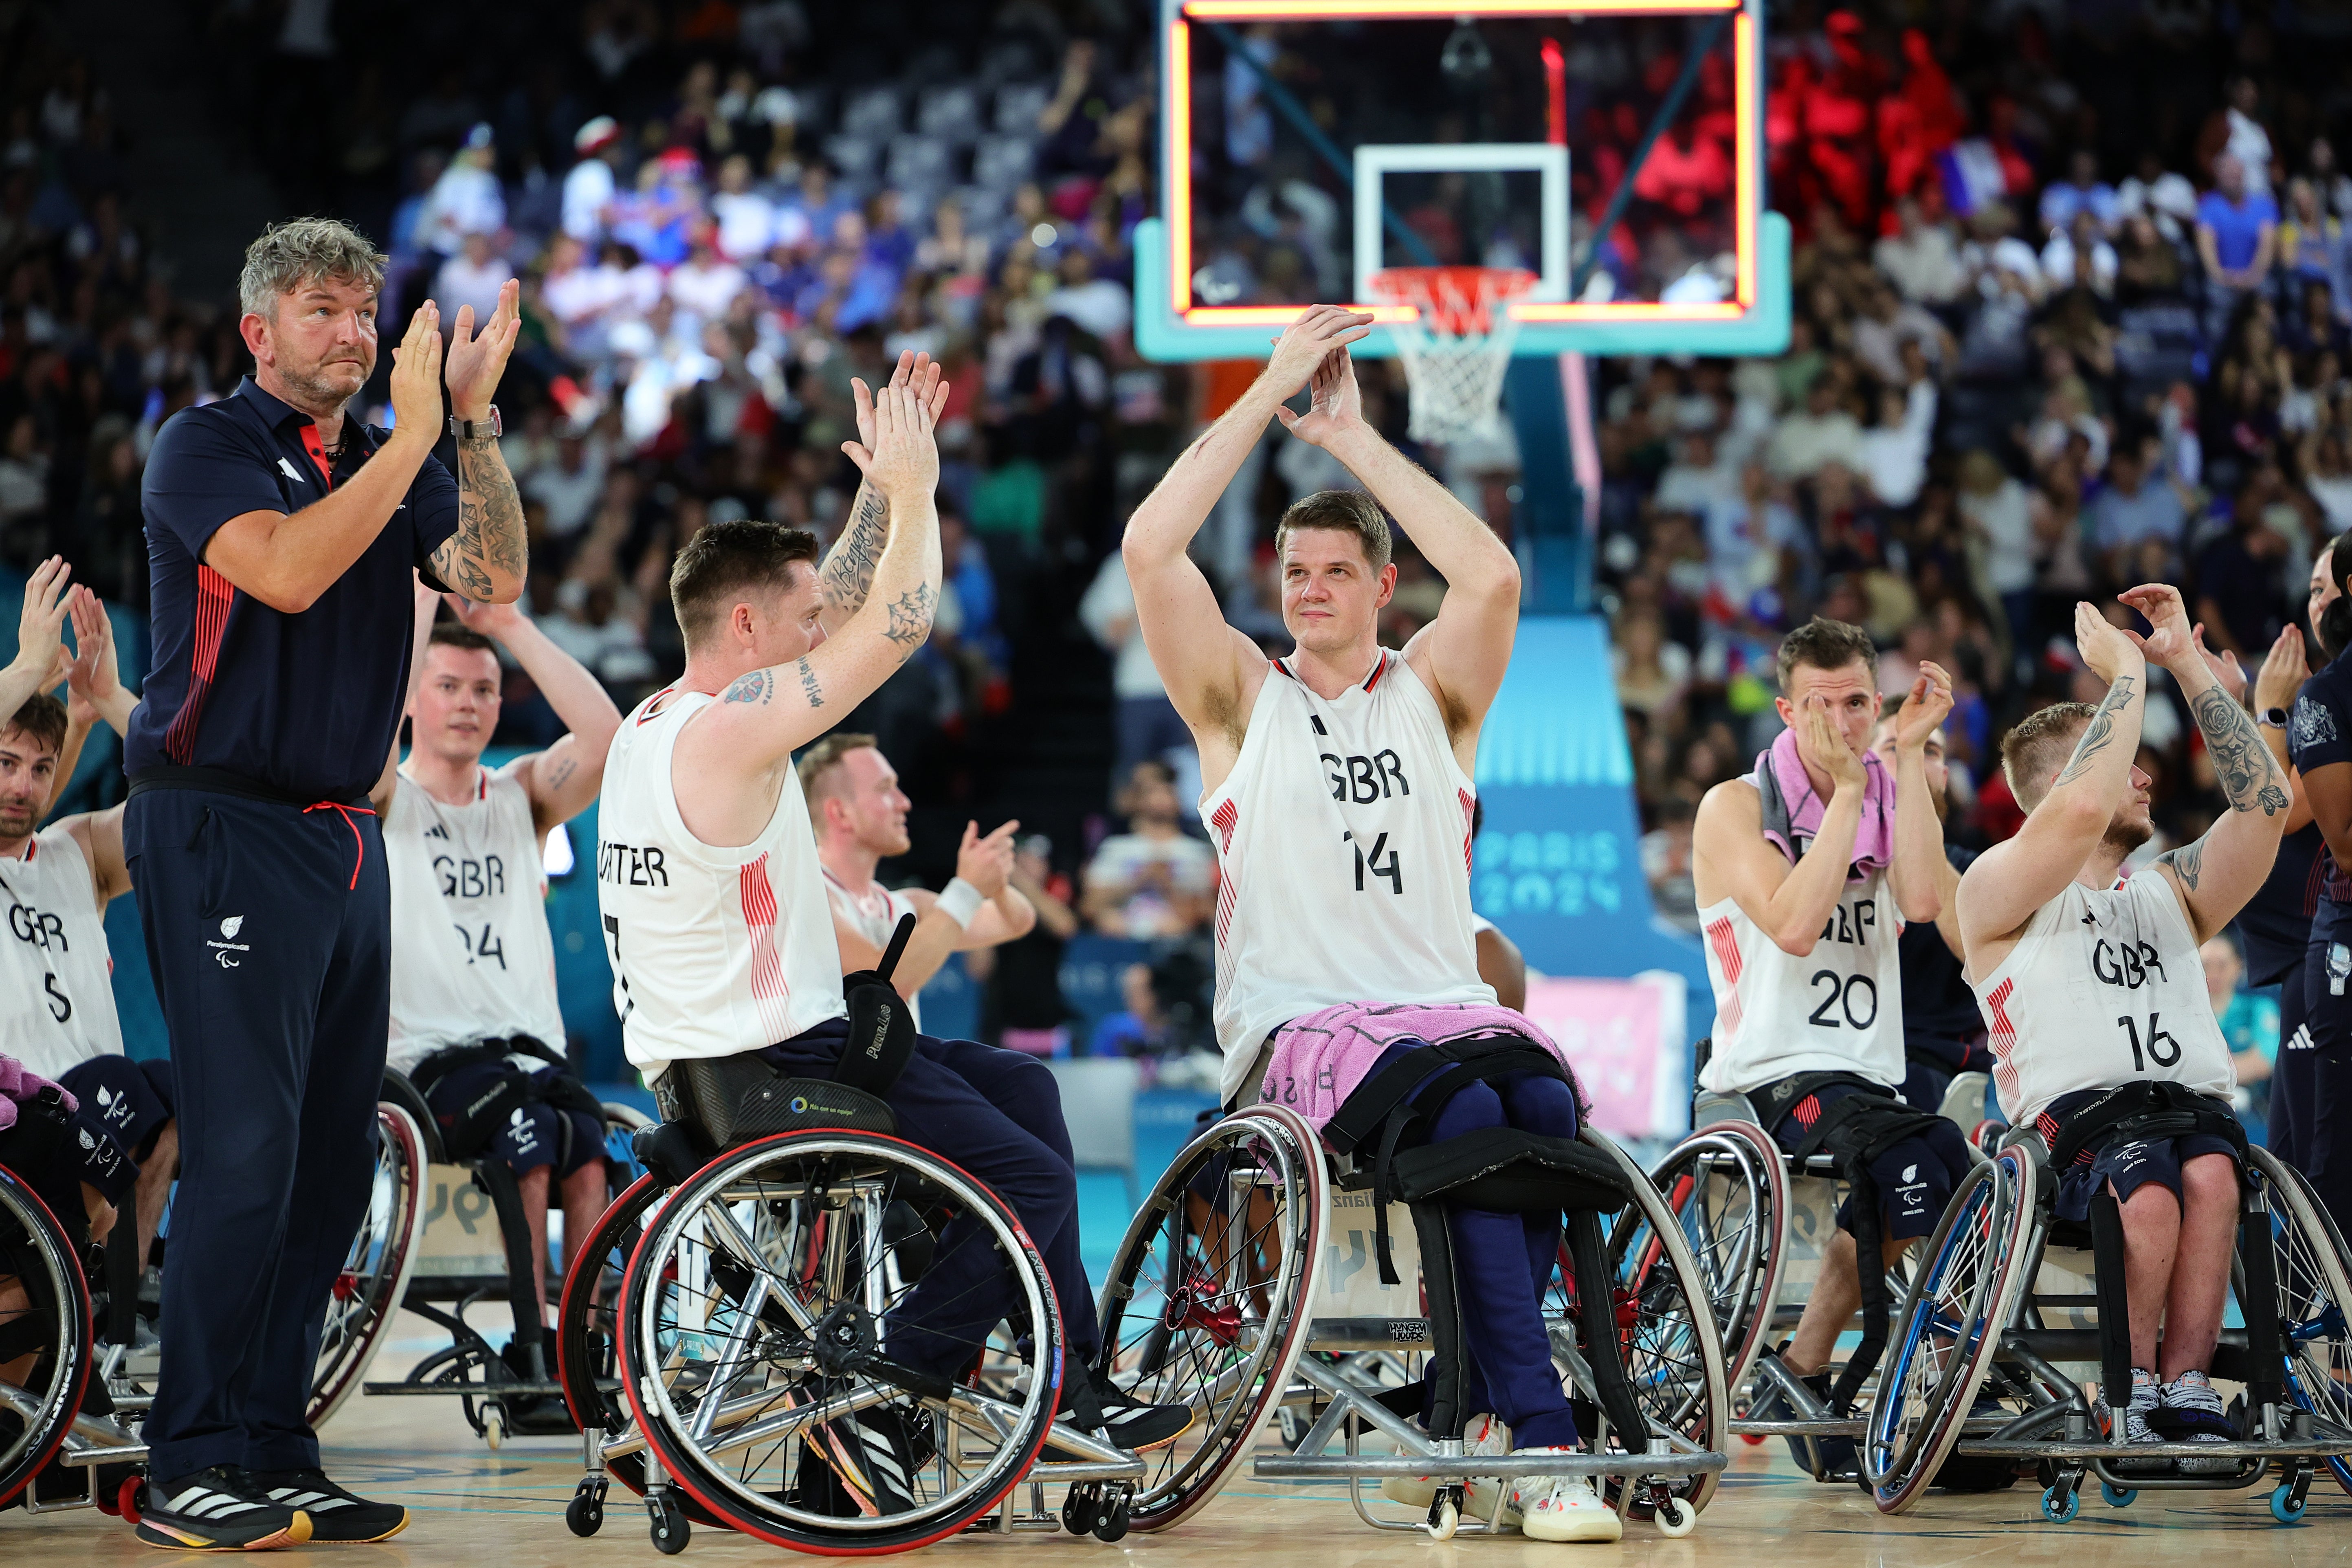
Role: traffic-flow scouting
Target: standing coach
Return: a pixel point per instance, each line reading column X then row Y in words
column 282, row 536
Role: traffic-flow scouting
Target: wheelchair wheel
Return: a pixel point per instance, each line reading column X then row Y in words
column 783, row 1327
column 37, row 1409
column 1944, row 1340
column 1667, row 1335
column 1209, row 1301
column 1729, row 1187
column 2314, row 1295
column 587, row 1333
column 374, row 1277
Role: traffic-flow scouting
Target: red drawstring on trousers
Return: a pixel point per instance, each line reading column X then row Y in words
column 359, row 853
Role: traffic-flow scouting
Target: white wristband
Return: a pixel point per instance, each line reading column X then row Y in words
column 961, row 900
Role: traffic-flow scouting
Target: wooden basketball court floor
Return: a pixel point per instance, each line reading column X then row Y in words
column 470, row 1505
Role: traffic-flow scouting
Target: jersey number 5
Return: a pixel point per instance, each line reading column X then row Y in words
column 613, row 940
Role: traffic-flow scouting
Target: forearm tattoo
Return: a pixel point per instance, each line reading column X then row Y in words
column 2188, row 863
column 2248, row 774
column 490, row 535
column 2101, row 730
column 910, row 617
column 809, row 687
column 849, row 573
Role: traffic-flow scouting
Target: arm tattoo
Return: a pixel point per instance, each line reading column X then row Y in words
column 2248, row 774
column 911, row 617
column 849, row 573
column 809, row 687
column 2188, row 863
column 490, row 535
column 752, row 688
column 563, row 771
column 2101, row 730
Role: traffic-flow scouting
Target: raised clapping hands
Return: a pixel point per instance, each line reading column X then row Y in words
column 2108, row 650
column 2170, row 639
column 916, row 372
column 476, row 361
column 93, row 680
column 902, row 461
column 2228, row 673
column 985, row 863
column 491, row 620
column 41, row 647
column 1307, row 342
column 2279, row 681
column 1335, row 407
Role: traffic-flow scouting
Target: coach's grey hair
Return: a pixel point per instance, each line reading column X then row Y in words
column 305, row 250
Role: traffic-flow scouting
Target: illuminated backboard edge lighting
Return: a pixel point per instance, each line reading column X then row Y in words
column 1171, row 326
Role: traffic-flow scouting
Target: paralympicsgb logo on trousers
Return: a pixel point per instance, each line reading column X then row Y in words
column 223, row 948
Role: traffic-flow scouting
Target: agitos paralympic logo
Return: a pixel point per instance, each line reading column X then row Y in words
column 221, row 949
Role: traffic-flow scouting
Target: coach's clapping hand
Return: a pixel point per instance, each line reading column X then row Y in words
column 416, row 377
column 904, row 461
column 2283, row 674
column 2108, row 650
column 477, row 361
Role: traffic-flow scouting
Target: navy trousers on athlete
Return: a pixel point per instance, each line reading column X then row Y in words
column 996, row 1115
column 267, row 930
column 2320, row 1081
column 1502, row 1265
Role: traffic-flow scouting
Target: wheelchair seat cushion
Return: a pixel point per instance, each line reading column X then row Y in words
column 729, row 1100
column 2131, row 1151
column 1508, row 1171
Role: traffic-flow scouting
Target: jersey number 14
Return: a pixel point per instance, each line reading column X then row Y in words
column 1371, row 862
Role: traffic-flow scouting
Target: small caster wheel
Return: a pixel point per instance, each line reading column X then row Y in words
column 2287, row 1506
column 1444, row 1513
column 1676, row 1517
column 670, row 1528
column 130, row 1498
column 2115, row 1496
column 1112, row 1525
column 2061, row 1504
column 1080, row 1509
column 494, row 1427
column 585, row 1512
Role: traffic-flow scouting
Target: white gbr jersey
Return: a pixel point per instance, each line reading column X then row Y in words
column 714, row 951
column 57, row 988
column 1343, row 841
column 471, row 957
column 2105, row 987
column 874, row 914
column 1837, row 1009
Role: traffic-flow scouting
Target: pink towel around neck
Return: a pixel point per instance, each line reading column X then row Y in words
column 1792, row 811
column 1319, row 1059
column 19, row 1083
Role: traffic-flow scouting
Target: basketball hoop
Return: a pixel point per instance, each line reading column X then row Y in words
column 1457, row 345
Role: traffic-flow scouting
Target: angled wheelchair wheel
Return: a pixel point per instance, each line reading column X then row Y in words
column 1209, row 1301
column 1727, row 1186
column 374, row 1277
column 1668, row 1338
column 46, row 1338
column 783, row 1325
column 2315, row 1297
column 1954, row 1313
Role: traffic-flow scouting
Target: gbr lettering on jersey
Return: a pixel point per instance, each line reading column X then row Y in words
column 56, row 996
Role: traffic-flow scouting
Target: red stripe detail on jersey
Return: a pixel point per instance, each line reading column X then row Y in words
column 1224, row 819
column 1726, row 953
column 314, row 443
column 1377, row 671
column 767, row 987
column 1469, row 815
column 215, row 596
column 2003, row 1039
column 646, row 714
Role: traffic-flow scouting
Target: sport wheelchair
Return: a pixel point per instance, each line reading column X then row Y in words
column 2011, row 1304
column 1231, row 1292
column 1758, row 1221
column 84, row 1312
column 474, row 1244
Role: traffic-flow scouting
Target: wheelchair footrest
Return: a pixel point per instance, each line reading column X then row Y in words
column 2320, row 1446
column 1322, row 1467
column 544, row 1387
column 1828, row 1427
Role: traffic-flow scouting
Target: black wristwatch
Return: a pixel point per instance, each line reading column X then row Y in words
column 477, row 429
column 2274, row 717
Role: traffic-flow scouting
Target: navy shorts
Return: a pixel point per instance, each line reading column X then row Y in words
column 534, row 1135
column 1916, row 1178
column 130, row 1099
column 2130, row 1165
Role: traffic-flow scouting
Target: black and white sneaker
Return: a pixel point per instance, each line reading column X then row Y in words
column 337, row 1517
column 219, row 1510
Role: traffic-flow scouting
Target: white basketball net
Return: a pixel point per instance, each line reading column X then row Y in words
column 1457, row 347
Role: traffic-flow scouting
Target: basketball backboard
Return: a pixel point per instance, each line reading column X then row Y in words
column 1306, row 144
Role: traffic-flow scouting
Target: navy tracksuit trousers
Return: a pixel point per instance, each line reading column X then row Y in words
column 996, row 1115
column 268, row 930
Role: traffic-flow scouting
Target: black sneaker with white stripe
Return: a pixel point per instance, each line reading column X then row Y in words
column 337, row 1517
column 219, row 1510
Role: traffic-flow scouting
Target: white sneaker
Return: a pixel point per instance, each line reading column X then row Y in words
column 1485, row 1435
column 1563, row 1507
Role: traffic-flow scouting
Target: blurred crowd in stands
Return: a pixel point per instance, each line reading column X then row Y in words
column 2071, row 295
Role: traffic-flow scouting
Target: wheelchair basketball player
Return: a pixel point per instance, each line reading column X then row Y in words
column 2101, row 1025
